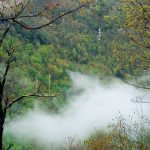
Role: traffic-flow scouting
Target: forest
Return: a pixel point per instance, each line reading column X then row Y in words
column 56, row 53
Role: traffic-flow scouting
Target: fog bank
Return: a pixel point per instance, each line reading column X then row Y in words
column 93, row 106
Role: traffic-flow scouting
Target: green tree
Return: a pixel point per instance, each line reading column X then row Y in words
column 137, row 28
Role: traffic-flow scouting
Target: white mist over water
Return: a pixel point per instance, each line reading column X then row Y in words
column 94, row 106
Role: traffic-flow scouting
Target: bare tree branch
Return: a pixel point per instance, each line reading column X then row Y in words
column 137, row 86
column 10, row 54
column 51, row 21
column 27, row 96
column 9, row 147
column 139, row 99
column 4, row 34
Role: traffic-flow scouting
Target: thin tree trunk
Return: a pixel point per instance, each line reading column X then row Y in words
column 1, row 126
column 1, row 117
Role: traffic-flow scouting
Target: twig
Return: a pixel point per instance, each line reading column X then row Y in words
column 9, row 147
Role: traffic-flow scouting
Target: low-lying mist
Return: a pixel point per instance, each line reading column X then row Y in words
column 91, row 106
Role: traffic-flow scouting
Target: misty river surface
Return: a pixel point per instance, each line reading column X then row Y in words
column 93, row 107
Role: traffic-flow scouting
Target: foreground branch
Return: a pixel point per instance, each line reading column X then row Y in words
column 4, row 35
column 27, row 96
column 140, row 100
column 51, row 21
column 9, row 147
column 137, row 86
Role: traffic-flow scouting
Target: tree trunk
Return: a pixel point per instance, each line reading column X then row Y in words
column 1, row 126
column 1, row 116
column 1, row 137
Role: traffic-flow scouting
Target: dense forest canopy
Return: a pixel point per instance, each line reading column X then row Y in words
column 103, row 38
